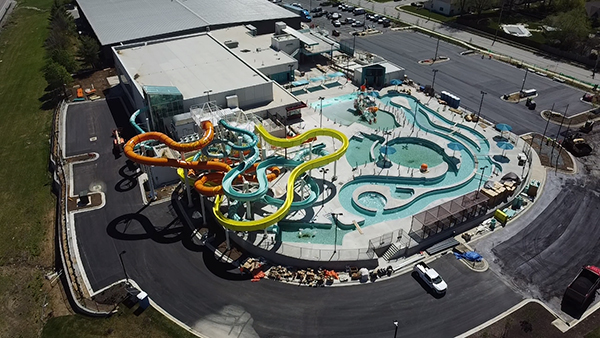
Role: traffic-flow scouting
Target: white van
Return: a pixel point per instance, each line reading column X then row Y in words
column 528, row 93
column 359, row 11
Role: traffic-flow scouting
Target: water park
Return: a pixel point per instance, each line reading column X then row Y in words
column 359, row 171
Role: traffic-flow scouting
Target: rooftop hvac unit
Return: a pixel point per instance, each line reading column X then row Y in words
column 251, row 29
column 279, row 27
column 232, row 101
column 231, row 43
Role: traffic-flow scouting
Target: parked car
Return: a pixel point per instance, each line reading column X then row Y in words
column 335, row 16
column 295, row 4
column 336, row 23
column 358, row 24
column 375, row 17
column 335, row 32
column 358, row 11
column 317, row 10
column 347, row 21
column 350, row 8
column 318, row 14
column 387, row 23
column 431, row 277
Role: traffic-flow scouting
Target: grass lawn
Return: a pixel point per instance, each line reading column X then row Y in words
column 27, row 300
column 125, row 324
column 26, row 203
column 426, row 13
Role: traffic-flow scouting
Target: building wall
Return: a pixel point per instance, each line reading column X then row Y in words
column 133, row 92
column 248, row 97
column 280, row 73
column 441, row 7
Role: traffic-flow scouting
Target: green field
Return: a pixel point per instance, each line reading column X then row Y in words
column 150, row 324
column 427, row 14
column 27, row 204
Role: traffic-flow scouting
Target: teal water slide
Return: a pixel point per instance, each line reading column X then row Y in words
column 318, row 149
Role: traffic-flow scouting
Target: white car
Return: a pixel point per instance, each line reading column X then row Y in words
column 337, row 23
column 431, row 278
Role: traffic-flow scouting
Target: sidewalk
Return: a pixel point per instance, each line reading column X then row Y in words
column 527, row 57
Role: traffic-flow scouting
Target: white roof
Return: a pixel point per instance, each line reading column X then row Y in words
column 115, row 21
column 193, row 64
column 257, row 50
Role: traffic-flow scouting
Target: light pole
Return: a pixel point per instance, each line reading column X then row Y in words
column 433, row 82
column 396, row 329
column 480, row 179
column 334, row 218
column 321, row 112
column 324, row 171
column 123, row 266
column 436, row 51
column 207, row 92
column 480, row 104
column 499, row 20
column 523, row 85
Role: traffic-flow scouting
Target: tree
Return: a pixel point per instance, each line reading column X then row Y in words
column 89, row 51
column 480, row 5
column 571, row 28
column 64, row 58
column 461, row 5
column 56, row 75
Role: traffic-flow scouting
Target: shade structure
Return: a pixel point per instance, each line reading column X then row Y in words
column 317, row 79
column 336, row 74
column 396, row 82
column 387, row 150
column 505, row 146
column 455, row 146
column 503, row 127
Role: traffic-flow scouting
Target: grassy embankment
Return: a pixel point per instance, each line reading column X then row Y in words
column 27, row 300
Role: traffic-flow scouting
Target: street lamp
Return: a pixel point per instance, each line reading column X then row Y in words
column 324, row 171
column 321, row 113
column 207, row 92
column 433, row 82
column 123, row 266
column 480, row 179
column 523, row 85
column 396, row 330
column 480, row 104
column 334, row 216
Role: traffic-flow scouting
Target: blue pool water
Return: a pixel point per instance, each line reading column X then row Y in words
column 358, row 154
column 373, row 200
column 413, row 155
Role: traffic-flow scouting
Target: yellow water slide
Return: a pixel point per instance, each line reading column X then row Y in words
column 299, row 170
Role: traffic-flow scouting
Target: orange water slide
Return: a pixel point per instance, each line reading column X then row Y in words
column 210, row 184
column 209, row 134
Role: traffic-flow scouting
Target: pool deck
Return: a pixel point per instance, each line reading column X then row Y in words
column 355, row 242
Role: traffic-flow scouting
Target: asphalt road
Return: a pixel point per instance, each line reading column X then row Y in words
column 212, row 297
column 552, row 243
column 466, row 76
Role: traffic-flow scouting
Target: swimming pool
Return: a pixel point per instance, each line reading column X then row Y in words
column 407, row 153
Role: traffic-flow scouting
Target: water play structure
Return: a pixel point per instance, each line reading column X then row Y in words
column 233, row 167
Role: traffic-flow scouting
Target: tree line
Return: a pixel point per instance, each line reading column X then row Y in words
column 67, row 51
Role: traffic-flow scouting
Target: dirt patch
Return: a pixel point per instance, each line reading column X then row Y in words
column 550, row 152
column 94, row 81
column 533, row 320
column 80, row 158
column 234, row 253
column 574, row 120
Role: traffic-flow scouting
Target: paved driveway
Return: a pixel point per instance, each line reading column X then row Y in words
column 189, row 283
column 467, row 75
column 542, row 252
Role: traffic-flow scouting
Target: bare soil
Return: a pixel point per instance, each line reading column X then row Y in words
column 574, row 120
column 551, row 156
column 96, row 80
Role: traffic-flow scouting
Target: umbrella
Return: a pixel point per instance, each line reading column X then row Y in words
column 505, row 146
column 455, row 146
column 387, row 150
column 503, row 127
column 396, row 82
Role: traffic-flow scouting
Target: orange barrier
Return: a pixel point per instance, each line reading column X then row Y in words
column 79, row 92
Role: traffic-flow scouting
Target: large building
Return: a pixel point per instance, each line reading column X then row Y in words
column 183, row 72
column 127, row 21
